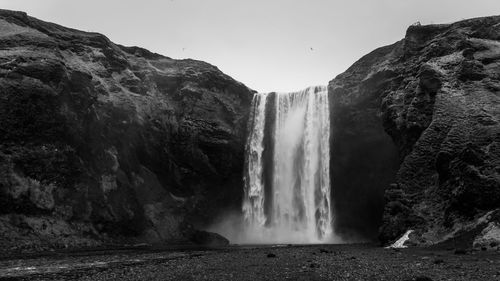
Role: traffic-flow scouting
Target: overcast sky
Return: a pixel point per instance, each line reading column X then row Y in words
column 270, row 45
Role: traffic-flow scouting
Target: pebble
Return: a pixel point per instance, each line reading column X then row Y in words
column 314, row 265
column 438, row 261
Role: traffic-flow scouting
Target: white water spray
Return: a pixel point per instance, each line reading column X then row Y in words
column 253, row 204
column 293, row 204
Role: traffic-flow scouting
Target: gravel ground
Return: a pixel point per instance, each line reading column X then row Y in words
column 312, row 262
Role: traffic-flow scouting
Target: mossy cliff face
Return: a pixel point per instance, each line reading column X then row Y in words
column 436, row 93
column 99, row 141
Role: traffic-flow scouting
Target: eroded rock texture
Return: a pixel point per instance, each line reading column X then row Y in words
column 436, row 93
column 99, row 141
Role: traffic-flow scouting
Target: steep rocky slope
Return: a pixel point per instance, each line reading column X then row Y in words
column 100, row 142
column 436, row 93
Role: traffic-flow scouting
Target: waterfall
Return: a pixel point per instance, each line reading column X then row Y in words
column 253, row 205
column 287, row 179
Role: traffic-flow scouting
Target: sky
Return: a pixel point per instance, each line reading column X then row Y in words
column 269, row 45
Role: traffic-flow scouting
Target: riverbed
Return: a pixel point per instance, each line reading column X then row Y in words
column 271, row 262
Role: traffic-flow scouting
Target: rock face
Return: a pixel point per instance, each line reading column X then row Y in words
column 436, row 93
column 99, row 141
column 363, row 158
column 105, row 143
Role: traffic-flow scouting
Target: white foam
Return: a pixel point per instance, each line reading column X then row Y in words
column 400, row 243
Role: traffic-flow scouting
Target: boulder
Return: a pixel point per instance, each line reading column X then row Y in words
column 209, row 239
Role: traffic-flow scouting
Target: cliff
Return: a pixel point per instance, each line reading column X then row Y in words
column 436, row 94
column 102, row 143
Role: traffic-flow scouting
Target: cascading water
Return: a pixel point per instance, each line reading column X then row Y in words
column 287, row 179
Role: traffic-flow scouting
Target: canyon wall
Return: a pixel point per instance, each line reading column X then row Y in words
column 102, row 143
column 416, row 135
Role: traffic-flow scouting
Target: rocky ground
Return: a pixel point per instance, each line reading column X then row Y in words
column 313, row 262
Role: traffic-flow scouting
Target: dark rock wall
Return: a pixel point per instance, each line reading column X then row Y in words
column 363, row 159
column 100, row 140
column 436, row 93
